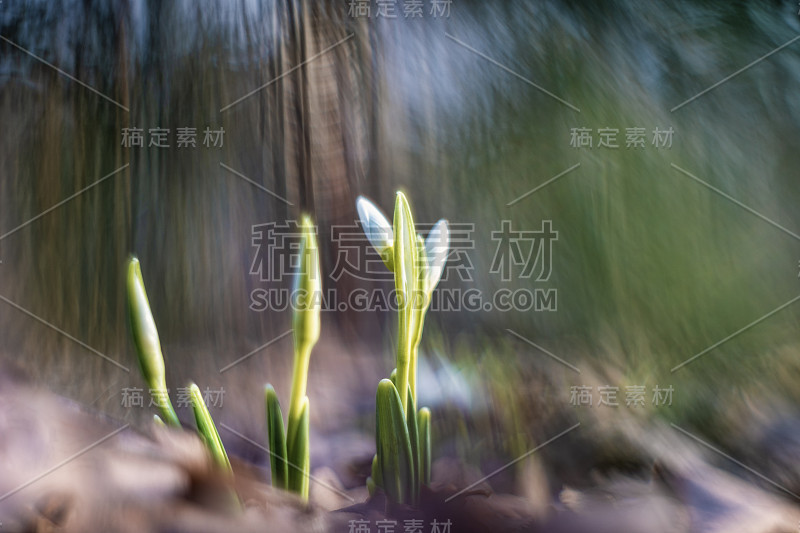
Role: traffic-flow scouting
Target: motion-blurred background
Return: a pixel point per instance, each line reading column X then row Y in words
column 668, row 243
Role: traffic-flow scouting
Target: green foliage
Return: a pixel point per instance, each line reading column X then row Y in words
column 395, row 459
column 424, row 423
column 151, row 362
column 277, row 440
column 403, row 435
column 413, row 440
column 145, row 338
column 290, row 452
column 207, row 430
column 403, row 440
column 300, row 454
column 405, row 282
column 290, row 459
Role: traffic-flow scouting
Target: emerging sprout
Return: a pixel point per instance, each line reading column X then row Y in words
column 145, row 338
column 290, row 452
column 151, row 362
column 207, row 430
column 403, row 435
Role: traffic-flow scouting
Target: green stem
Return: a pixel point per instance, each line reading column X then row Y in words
column 420, row 323
column 412, row 373
column 299, row 385
column 403, row 360
column 167, row 410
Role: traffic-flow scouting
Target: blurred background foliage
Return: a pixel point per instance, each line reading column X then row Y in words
column 651, row 267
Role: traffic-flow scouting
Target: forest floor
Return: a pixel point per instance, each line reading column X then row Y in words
column 65, row 467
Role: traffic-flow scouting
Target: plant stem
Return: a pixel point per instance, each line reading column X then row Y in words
column 299, row 385
column 418, row 326
column 403, row 361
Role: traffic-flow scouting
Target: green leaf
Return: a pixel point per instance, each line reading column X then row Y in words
column 207, row 429
column 413, row 435
column 424, row 422
column 299, row 454
column 376, row 471
column 146, row 341
column 393, row 444
column 405, row 252
column 405, row 279
column 277, row 440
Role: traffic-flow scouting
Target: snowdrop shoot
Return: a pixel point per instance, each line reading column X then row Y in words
column 151, row 362
column 403, row 434
column 146, row 341
column 290, row 451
